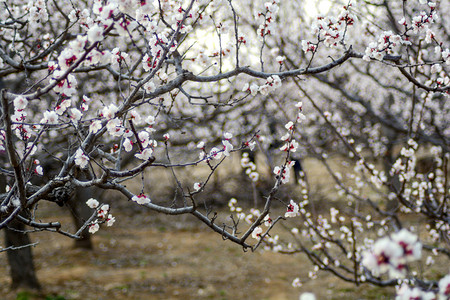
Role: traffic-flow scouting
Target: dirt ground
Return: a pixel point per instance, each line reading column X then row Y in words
column 150, row 256
column 146, row 255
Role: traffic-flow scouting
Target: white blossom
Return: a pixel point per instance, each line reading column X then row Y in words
column 141, row 199
column 110, row 220
column 144, row 154
column 292, row 210
column 95, row 126
column 307, row 296
column 256, row 234
column 50, row 117
column 81, row 159
column 93, row 228
column 197, row 186
column 95, row 34
column 92, row 203
column 20, row 103
column 127, row 144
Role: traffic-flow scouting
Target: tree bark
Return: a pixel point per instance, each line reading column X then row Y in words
column 21, row 264
column 80, row 213
column 22, row 269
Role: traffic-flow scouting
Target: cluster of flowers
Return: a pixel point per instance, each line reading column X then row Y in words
column 329, row 30
column 116, row 128
column 438, row 74
column 249, row 166
column 37, row 12
column 103, row 215
column 236, row 209
column 389, row 43
column 284, row 172
column 66, row 87
column 22, row 131
column 405, row 292
column 290, row 145
column 391, row 254
column 272, row 83
column 405, row 164
column 271, row 242
column 216, row 152
column 157, row 47
column 418, row 186
column 422, row 21
column 267, row 27
column 161, row 41
column 292, row 211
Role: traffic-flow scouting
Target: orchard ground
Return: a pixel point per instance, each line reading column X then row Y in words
column 150, row 256
column 146, row 255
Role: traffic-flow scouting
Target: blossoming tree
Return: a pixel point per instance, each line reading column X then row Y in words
column 107, row 90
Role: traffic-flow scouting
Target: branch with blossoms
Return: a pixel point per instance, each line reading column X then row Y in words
column 110, row 91
column 322, row 236
column 413, row 185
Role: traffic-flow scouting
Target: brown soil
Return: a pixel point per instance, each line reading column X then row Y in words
column 150, row 256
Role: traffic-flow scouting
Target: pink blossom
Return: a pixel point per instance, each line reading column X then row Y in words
column 410, row 244
column 75, row 115
column 280, row 59
column 149, row 87
column 296, row 282
column 61, row 108
column 115, row 128
column 289, row 125
column 444, row 287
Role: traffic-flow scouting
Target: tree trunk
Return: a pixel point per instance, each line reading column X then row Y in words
column 80, row 213
column 20, row 261
column 388, row 160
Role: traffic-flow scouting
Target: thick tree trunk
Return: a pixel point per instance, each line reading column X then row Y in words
column 22, row 269
column 20, row 261
column 80, row 213
column 388, row 160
